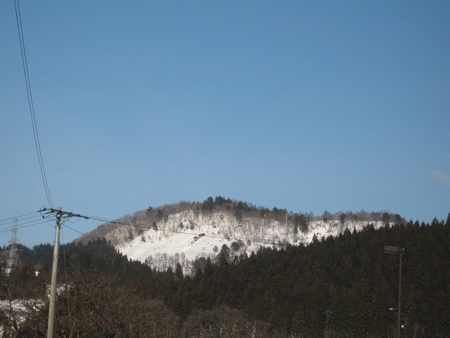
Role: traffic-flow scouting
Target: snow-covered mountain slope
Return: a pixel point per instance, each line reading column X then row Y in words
column 185, row 236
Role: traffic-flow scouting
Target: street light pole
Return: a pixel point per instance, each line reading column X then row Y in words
column 394, row 250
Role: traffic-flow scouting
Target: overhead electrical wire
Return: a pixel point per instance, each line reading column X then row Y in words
column 79, row 232
column 17, row 219
column 28, row 220
column 11, row 219
column 24, row 225
column 30, row 102
column 23, row 221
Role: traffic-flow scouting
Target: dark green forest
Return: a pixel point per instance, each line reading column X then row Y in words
column 334, row 287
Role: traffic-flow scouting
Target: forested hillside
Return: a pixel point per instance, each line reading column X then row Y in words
column 334, row 287
column 180, row 233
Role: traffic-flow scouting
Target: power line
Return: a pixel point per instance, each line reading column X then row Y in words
column 94, row 239
column 28, row 220
column 79, row 232
column 8, row 220
column 22, row 221
column 30, row 101
column 25, row 225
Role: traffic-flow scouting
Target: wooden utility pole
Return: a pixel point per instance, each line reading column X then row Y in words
column 51, row 309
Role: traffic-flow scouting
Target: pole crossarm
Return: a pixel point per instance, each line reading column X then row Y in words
column 394, row 250
column 64, row 213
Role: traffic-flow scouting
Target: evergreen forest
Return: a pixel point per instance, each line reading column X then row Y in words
column 343, row 286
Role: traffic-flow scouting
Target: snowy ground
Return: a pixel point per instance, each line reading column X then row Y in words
column 17, row 310
column 186, row 236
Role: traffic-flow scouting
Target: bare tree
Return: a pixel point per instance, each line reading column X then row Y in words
column 223, row 321
column 97, row 306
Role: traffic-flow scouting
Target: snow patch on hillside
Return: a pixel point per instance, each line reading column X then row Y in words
column 186, row 236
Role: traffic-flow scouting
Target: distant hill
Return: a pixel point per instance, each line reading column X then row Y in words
column 187, row 231
column 336, row 286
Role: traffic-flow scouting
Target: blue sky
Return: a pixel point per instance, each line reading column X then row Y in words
column 303, row 105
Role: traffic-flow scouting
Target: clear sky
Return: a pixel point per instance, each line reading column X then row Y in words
column 303, row 105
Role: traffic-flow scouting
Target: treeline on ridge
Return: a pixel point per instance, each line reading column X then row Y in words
column 146, row 219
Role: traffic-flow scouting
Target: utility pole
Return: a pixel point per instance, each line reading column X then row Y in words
column 51, row 310
column 394, row 250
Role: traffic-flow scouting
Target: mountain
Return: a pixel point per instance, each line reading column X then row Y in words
column 338, row 286
column 188, row 231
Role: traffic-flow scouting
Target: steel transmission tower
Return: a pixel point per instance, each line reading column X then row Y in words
column 12, row 257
